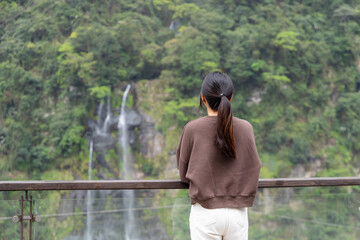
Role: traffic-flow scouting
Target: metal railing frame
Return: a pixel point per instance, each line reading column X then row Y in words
column 165, row 184
column 144, row 184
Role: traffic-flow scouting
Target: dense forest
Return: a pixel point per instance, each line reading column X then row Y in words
column 295, row 66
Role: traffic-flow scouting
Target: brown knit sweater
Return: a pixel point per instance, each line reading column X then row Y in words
column 216, row 181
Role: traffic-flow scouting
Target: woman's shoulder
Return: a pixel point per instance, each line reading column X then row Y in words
column 210, row 121
column 242, row 123
column 201, row 124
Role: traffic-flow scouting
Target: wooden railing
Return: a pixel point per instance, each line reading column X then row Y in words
column 165, row 184
column 143, row 184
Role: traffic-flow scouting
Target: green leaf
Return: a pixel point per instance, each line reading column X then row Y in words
column 287, row 40
column 100, row 92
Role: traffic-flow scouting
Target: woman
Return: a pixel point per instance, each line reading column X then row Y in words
column 217, row 156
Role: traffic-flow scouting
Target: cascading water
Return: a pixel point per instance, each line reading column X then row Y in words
column 88, row 195
column 102, row 222
column 128, row 171
column 101, row 134
column 108, row 116
column 124, row 136
column 98, row 124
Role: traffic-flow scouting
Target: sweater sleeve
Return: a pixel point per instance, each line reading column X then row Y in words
column 254, row 152
column 183, row 152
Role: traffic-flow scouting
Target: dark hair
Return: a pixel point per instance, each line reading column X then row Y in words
column 217, row 88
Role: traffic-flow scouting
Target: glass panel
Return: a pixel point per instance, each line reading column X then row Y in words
column 289, row 213
column 309, row 213
column 9, row 208
column 127, row 215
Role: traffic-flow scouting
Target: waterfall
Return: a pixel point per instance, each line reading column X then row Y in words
column 103, row 127
column 100, row 136
column 127, row 168
column 174, row 25
column 98, row 124
column 124, row 136
column 88, row 195
column 108, row 116
column 125, row 223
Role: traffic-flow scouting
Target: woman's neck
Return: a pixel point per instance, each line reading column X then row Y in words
column 211, row 112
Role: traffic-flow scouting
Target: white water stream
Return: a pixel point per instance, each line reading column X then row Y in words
column 128, row 171
column 108, row 116
column 124, row 136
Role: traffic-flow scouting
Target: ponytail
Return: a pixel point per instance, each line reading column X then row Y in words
column 218, row 89
column 225, row 134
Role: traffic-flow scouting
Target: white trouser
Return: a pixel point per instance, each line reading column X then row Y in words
column 218, row 224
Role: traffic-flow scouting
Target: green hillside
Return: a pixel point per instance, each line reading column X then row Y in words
column 295, row 66
column 58, row 59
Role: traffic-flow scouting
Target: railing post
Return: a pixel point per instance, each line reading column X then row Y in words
column 31, row 218
column 21, row 217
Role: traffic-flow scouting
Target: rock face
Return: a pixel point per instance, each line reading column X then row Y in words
column 171, row 171
column 133, row 118
column 256, row 97
column 100, row 130
column 151, row 140
column 105, row 132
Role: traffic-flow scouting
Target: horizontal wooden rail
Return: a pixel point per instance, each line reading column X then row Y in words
column 165, row 184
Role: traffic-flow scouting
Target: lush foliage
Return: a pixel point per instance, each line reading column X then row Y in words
column 295, row 66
